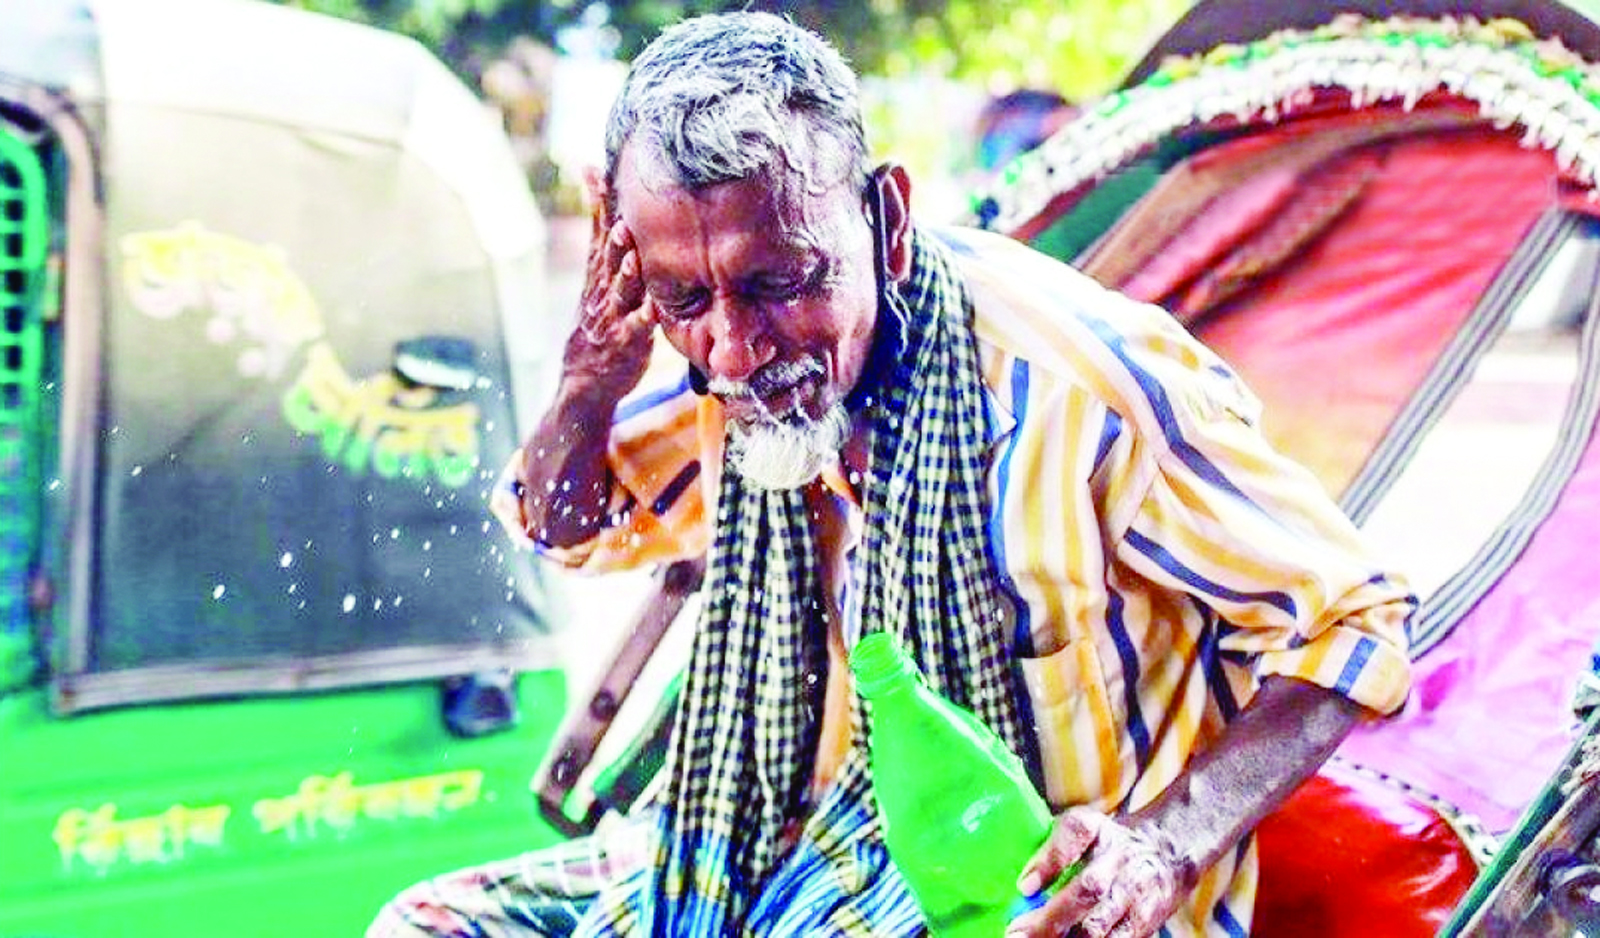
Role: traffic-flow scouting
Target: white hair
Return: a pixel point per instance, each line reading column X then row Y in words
column 786, row 454
column 714, row 99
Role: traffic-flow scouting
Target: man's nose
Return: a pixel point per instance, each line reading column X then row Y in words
column 741, row 339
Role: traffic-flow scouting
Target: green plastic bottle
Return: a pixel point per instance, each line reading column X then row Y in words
column 960, row 816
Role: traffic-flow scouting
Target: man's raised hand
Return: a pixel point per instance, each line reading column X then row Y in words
column 610, row 347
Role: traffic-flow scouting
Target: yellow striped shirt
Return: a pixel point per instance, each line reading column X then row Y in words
column 1159, row 556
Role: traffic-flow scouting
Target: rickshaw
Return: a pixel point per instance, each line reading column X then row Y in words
column 273, row 311
column 1386, row 217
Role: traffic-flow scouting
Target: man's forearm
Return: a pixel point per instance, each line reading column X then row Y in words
column 1278, row 741
column 566, row 479
column 1136, row 869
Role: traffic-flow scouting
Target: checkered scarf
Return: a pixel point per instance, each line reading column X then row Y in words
column 752, row 705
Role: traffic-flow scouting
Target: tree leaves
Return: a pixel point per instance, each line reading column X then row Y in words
column 1077, row 47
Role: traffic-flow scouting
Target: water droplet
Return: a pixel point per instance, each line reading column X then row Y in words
column 136, row 471
column 427, row 572
column 218, row 590
column 377, row 605
column 398, row 600
column 394, row 534
column 427, row 545
column 55, row 484
column 453, row 529
column 488, row 426
column 286, row 560
column 485, row 527
column 246, row 439
column 349, row 602
column 293, row 588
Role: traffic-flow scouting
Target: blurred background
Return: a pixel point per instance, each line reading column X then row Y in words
column 938, row 76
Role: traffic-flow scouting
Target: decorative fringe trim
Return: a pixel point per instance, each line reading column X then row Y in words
column 1513, row 77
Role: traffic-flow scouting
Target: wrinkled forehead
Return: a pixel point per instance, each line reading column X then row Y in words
column 742, row 228
column 784, row 213
column 808, row 162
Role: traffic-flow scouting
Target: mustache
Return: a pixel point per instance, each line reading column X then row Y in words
column 767, row 380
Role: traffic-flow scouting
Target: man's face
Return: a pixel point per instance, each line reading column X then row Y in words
column 766, row 286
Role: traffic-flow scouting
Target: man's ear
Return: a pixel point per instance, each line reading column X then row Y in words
column 894, row 190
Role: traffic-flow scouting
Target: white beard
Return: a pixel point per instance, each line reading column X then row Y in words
column 784, row 455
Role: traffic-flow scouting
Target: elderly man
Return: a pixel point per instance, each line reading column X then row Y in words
column 1054, row 495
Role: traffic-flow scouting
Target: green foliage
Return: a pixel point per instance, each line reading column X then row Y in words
column 1078, row 47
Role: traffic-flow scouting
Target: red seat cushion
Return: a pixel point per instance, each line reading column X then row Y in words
column 1348, row 855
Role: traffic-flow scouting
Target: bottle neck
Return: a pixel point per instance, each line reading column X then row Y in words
column 881, row 666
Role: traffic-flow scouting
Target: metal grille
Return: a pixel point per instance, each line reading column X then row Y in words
column 24, row 231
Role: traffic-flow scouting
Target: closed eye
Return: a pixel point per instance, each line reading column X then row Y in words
column 683, row 305
column 789, row 289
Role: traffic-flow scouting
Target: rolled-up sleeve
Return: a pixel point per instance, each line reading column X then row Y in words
column 655, row 511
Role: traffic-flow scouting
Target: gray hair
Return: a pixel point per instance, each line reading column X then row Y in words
column 715, row 98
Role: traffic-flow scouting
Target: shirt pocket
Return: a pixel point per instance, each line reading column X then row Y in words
column 1075, row 725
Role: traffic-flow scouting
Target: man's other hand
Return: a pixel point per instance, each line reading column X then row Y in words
column 1130, row 882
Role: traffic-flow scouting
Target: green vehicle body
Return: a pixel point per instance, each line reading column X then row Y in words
column 273, row 314
column 202, row 795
